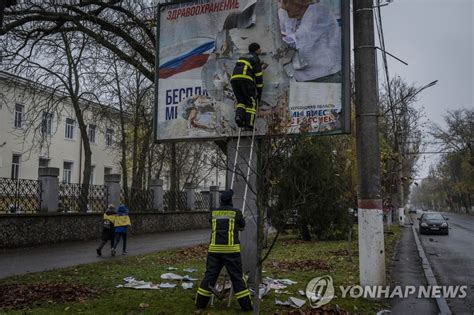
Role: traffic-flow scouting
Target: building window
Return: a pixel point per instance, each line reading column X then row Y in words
column 109, row 137
column 19, row 115
column 92, row 180
column 16, row 166
column 47, row 123
column 67, row 172
column 69, row 131
column 92, row 133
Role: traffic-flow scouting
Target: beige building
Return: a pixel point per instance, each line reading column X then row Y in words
column 38, row 128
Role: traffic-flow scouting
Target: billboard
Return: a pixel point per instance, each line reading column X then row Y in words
column 304, row 42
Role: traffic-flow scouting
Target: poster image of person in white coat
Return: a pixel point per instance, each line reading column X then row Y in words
column 309, row 27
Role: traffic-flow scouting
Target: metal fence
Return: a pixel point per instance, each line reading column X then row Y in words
column 174, row 200
column 202, row 200
column 70, row 198
column 20, row 195
column 140, row 200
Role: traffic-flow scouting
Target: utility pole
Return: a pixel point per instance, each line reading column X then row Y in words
column 370, row 213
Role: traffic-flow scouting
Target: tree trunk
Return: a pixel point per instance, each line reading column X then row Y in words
column 84, row 197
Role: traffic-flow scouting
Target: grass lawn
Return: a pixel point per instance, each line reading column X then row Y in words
column 91, row 289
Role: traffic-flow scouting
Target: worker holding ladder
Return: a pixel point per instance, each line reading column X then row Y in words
column 227, row 221
column 224, row 250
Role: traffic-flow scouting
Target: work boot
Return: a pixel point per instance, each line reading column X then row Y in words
column 239, row 121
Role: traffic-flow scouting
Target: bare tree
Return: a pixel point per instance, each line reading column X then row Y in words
column 124, row 27
column 401, row 130
column 66, row 63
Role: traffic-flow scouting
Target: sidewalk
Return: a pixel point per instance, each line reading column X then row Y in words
column 407, row 270
column 35, row 259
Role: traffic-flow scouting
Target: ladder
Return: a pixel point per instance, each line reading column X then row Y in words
column 248, row 163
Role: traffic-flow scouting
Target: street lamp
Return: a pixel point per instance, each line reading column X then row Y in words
column 433, row 83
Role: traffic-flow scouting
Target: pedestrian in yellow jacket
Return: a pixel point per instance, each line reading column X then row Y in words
column 121, row 225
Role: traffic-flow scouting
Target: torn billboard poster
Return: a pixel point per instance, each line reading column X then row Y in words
column 304, row 83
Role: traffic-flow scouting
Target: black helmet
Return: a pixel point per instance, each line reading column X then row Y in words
column 253, row 47
column 226, row 196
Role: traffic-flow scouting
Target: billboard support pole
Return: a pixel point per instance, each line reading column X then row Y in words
column 248, row 237
column 370, row 213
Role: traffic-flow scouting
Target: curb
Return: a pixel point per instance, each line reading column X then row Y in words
column 429, row 275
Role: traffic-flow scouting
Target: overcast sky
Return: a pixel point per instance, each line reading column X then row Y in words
column 435, row 38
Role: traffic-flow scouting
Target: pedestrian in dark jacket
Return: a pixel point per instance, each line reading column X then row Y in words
column 247, row 84
column 108, row 231
column 224, row 250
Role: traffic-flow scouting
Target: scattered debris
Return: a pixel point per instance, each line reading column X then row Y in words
column 166, row 285
column 262, row 291
column 292, row 301
column 301, row 292
column 188, row 278
column 295, row 302
column 171, row 276
column 132, row 283
column 383, row 312
column 172, row 268
column 227, row 286
column 144, row 305
column 190, row 270
column 187, row 285
column 286, row 281
column 276, row 286
column 278, row 302
column 23, row 296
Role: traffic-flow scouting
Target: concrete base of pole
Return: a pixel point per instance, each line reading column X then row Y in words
column 371, row 247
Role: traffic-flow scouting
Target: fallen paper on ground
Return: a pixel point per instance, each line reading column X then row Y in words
column 286, row 281
column 190, row 270
column 166, row 285
column 187, row 285
column 132, row 283
column 171, row 276
column 278, row 302
column 262, row 291
column 172, row 268
column 188, row 278
column 295, row 302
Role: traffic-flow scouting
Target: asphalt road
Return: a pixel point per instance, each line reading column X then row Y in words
column 35, row 259
column 452, row 258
